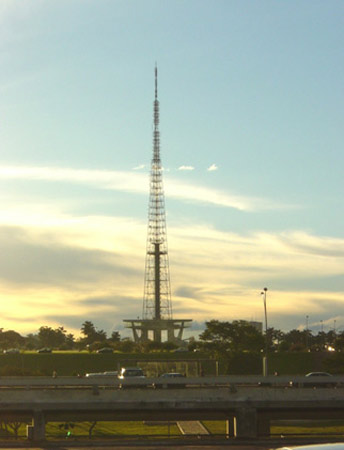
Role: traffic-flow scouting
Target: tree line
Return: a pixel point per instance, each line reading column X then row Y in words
column 218, row 338
column 240, row 336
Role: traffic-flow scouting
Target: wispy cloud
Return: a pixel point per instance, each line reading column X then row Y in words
column 212, row 168
column 140, row 167
column 186, row 168
column 137, row 182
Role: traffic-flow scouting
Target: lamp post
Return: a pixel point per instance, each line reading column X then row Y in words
column 307, row 317
column 265, row 359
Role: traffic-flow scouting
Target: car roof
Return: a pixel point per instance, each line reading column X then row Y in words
column 172, row 374
column 319, row 374
column 333, row 446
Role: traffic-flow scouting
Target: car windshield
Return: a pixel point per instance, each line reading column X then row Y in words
column 133, row 373
column 172, row 375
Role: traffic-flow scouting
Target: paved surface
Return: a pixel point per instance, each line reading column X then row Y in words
column 192, row 427
column 183, row 447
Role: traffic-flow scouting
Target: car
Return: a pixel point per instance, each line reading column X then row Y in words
column 94, row 374
column 165, row 377
column 131, row 372
column 172, row 375
column 11, row 351
column 334, row 446
column 128, row 375
column 318, row 374
column 44, row 350
column 314, row 376
column 102, row 374
column 105, row 350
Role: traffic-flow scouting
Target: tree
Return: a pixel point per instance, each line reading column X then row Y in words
column 91, row 334
column 225, row 338
column 32, row 341
column 115, row 336
column 70, row 341
column 296, row 340
column 10, row 338
column 339, row 343
column 49, row 337
column 275, row 338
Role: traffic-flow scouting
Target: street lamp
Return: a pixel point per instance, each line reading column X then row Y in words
column 265, row 359
column 307, row 317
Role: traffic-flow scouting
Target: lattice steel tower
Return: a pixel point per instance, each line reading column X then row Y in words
column 157, row 289
column 157, row 305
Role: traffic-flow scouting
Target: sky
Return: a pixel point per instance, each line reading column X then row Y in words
column 251, row 120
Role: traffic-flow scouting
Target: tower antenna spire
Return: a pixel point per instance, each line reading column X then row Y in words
column 156, row 82
column 157, row 305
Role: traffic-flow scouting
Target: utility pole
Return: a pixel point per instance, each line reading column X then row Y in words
column 307, row 333
column 265, row 359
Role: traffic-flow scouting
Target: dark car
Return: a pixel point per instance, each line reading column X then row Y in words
column 316, row 375
column 44, row 350
column 105, row 350
column 172, row 375
column 314, row 380
column 166, row 377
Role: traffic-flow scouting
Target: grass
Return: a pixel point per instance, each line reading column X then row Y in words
column 216, row 427
column 289, row 428
column 106, row 430
column 80, row 430
column 305, row 427
column 110, row 429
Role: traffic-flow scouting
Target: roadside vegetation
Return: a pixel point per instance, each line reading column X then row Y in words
column 219, row 337
column 222, row 348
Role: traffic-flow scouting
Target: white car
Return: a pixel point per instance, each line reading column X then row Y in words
column 131, row 372
column 102, row 374
column 336, row 446
column 131, row 377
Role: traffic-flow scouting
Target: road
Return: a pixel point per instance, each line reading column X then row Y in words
column 143, row 446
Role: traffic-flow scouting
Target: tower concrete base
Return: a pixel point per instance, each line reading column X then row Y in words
column 142, row 327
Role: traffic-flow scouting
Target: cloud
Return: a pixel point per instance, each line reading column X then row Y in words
column 138, row 183
column 140, row 167
column 35, row 260
column 212, row 168
column 305, row 243
column 187, row 292
column 186, row 168
column 92, row 268
column 93, row 265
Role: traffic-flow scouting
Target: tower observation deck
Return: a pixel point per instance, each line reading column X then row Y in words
column 157, row 306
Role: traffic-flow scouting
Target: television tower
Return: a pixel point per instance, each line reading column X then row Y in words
column 157, row 289
column 157, row 305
